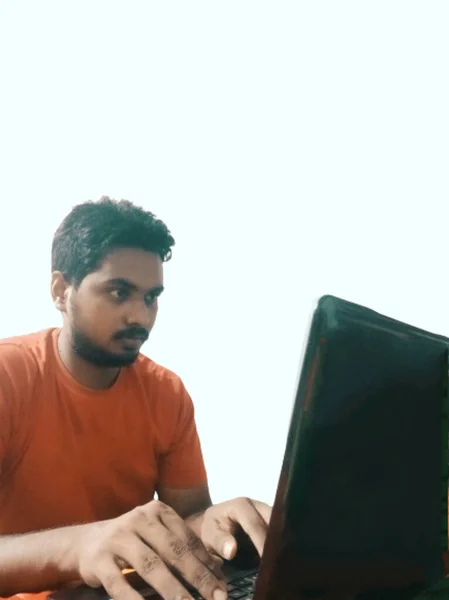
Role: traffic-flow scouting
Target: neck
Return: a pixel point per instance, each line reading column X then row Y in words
column 95, row 378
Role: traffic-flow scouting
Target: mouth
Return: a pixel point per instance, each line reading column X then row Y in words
column 132, row 341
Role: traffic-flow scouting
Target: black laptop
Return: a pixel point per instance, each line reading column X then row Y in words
column 361, row 505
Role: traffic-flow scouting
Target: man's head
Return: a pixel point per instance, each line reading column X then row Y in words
column 107, row 276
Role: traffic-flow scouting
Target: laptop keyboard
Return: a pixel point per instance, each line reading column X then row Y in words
column 242, row 588
column 239, row 588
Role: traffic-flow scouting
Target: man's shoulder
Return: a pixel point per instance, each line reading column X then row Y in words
column 30, row 343
column 24, row 351
column 165, row 390
column 162, row 383
column 148, row 369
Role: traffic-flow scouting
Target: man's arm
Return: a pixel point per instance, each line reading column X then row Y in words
column 39, row 561
column 182, row 474
column 152, row 539
column 186, row 502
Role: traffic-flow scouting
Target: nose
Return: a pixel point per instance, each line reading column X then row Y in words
column 140, row 315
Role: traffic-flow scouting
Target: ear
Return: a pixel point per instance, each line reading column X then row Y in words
column 59, row 290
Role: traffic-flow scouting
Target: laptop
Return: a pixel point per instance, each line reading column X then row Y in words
column 361, row 506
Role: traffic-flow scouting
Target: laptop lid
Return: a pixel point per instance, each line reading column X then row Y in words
column 361, row 505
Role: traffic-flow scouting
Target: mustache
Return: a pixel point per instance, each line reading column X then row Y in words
column 133, row 333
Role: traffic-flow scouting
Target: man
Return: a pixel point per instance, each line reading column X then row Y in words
column 91, row 430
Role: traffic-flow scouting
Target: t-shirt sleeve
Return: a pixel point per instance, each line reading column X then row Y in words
column 9, row 364
column 5, row 423
column 182, row 465
column 16, row 375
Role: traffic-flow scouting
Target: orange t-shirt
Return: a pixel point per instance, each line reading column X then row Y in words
column 71, row 455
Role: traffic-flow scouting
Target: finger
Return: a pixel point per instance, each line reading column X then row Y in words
column 219, row 539
column 176, row 554
column 178, row 527
column 152, row 569
column 263, row 509
column 244, row 513
column 115, row 583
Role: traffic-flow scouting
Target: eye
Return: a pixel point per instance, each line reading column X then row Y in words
column 119, row 294
column 150, row 299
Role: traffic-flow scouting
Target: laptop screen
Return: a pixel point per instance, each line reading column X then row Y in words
column 362, row 501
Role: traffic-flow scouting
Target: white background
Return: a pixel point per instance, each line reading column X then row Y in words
column 294, row 149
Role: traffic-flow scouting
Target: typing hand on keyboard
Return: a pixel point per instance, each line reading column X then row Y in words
column 218, row 525
column 156, row 542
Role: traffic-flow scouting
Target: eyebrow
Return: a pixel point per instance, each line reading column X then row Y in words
column 120, row 281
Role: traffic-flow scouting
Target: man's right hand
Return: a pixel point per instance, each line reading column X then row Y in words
column 155, row 541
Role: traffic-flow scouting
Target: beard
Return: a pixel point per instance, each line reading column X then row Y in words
column 87, row 349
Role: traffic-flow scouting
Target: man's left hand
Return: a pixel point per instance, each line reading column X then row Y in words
column 217, row 525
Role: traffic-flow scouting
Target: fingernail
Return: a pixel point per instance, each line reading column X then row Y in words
column 228, row 549
column 220, row 595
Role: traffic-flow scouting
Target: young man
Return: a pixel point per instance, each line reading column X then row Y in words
column 90, row 430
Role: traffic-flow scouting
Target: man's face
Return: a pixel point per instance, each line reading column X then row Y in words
column 114, row 309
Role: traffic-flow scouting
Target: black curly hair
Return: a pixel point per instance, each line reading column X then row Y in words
column 94, row 229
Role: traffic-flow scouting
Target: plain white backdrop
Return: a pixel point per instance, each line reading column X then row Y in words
column 293, row 148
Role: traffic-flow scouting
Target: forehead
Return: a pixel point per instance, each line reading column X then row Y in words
column 142, row 269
